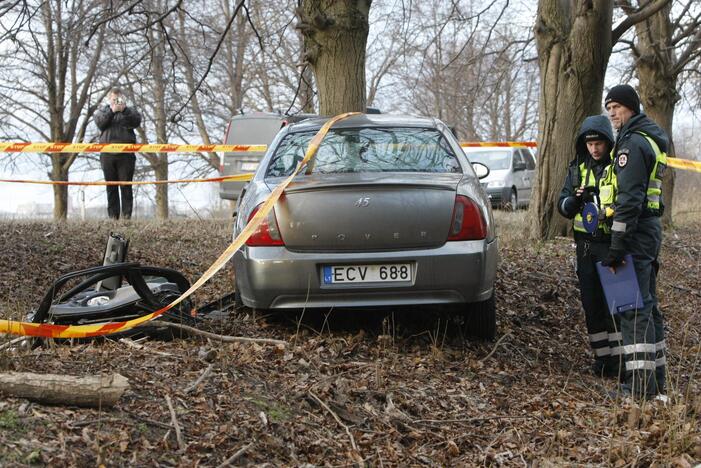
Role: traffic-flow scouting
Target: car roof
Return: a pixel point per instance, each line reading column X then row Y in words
column 367, row 120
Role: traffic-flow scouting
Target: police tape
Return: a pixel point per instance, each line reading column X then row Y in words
column 684, row 164
column 98, row 329
column 229, row 178
column 20, row 147
column 53, row 147
column 499, row 144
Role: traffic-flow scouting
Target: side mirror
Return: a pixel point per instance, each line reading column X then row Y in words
column 481, row 170
column 520, row 166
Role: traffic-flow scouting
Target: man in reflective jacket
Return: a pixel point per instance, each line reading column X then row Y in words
column 594, row 144
column 635, row 179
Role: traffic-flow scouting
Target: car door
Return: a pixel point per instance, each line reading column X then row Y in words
column 518, row 168
column 529, row 177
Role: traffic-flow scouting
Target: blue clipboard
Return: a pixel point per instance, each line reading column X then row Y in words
column 621, row 289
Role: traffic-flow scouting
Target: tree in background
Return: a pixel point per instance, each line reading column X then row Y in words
column 335, row 35
column 48, row 78
column 574, row 40
column 666, row 49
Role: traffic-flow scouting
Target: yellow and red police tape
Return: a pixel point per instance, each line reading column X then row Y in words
column 98, row 329
column 20, row 147
column 229, row 178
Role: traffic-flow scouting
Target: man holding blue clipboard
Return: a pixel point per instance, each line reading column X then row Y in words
column 631, row 187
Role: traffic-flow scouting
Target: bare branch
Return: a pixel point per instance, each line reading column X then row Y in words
column 636, row 17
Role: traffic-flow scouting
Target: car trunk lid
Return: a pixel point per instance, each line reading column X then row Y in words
column 361, row 212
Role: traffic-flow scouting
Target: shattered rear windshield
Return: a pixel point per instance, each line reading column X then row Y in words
column 374, row 149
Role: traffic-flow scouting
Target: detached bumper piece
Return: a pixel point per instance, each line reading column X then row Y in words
column 147, row 289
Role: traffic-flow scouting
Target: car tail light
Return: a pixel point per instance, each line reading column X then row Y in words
column 268, row 233
column 468, row 222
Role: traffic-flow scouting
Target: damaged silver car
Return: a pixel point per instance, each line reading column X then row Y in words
column 391, row 213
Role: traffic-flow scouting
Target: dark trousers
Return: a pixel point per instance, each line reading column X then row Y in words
column 119, row 167
column 603, row 329
column 643, row 329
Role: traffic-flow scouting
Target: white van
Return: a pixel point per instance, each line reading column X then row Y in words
column 511, row 174
column 256, row 128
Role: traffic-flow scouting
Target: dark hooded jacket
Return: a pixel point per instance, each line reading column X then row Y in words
column 568, row 205
column 117, row 127
column 633, row 175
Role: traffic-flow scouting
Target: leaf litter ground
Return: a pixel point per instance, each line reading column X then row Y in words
column 386, row 387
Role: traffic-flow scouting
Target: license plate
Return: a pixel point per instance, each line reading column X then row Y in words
column 388, row 273
column 249, row 166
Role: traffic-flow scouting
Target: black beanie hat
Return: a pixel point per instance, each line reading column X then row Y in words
column 625, row 95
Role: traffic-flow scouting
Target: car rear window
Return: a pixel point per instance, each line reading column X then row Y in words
column 374, row 149
column 494, row 160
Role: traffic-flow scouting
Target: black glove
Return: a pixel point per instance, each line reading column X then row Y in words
column 614, row 258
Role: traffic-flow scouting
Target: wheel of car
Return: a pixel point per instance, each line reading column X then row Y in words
column 481, row 319
column 513, row 200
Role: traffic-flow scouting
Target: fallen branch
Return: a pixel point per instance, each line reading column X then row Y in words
column 13, row 342
column 176, row 426
column 229, row 461
column 338, row 420
column 496, row 345
column 200, row 379
column 91, row 391
column 223, row 338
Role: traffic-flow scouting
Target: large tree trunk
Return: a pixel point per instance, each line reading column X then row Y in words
column 573, row 50
column 335, row 36
column 658, row 85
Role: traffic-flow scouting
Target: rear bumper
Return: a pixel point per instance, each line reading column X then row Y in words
column 275, row 278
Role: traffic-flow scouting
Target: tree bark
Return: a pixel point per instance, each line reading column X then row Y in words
column 335, row 36
column 657, row 83
column 574, row 46
column 91, row 391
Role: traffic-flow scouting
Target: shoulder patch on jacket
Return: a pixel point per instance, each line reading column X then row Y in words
column 622, row 160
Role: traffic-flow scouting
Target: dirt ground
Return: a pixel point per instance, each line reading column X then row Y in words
column 390, row 387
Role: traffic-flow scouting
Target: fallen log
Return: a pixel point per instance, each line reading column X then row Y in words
column 92, row 391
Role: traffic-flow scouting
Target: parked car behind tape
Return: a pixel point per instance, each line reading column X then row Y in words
column 257, row 128
column 511, row 174
column 392, row 213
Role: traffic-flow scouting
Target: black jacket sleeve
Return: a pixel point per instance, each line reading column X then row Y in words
column 633, row 162
column 131, row 118
column 567, row 204
column 103, row 118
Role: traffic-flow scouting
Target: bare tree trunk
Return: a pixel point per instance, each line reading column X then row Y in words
column 573, row 50
column 335, row 37
column 235, row 45
column 60, row 191
column 656, row 64
column 159, row 161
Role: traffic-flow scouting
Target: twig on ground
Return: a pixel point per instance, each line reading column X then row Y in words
column 496, row 345
column 335, row 416
column 690, row 291
column 223, row 338
column 147, row 420
column 200, row 379
column 133, row 344
column 176, row 426
column 229, row 461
